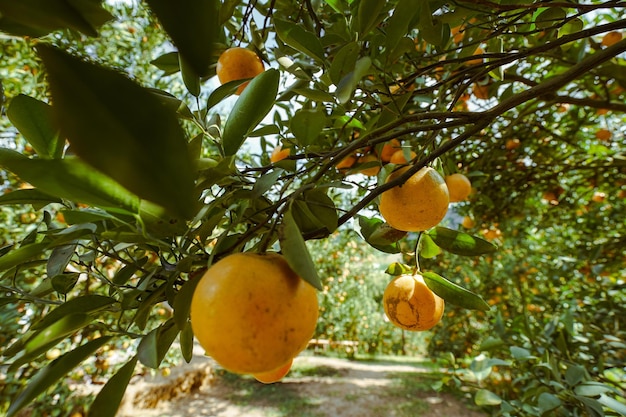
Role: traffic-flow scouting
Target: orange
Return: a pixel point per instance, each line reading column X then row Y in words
column 278, row 154
column 598, row 197
column 370, row 171
column 252, row 313
column 611, row 38
column 389, row 149
column 418, row 204
column 346, row 163
column 398, row 157
column 274, row 375
column 603, row 134
column 512, row 144
column 468, row 222
column 479, row 60
column 238, row 64
column 459, row 187
column 410, row 305
column 481, row 91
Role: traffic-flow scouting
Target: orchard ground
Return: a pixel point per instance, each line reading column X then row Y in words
column 316, row 386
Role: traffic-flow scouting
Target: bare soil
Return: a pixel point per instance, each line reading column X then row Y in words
column 316, row 387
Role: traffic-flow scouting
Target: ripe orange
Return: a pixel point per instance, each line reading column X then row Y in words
column 274, row 375
column 238, row 64
column 389, row 149
column 603, row 134
column 278, row 154
column 459, row 187
column 479, row 60
column 418, row 204
column 346, row 163
column 410, row 305
column 481, row 91
column 512, row 144
column 252, row 313
column 468, row 222
column 611, row 38
column 398, row 157
column 598, row 197
column 371, row 171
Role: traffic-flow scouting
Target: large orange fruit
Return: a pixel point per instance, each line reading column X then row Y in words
column 274, row 375
column 410, row 305
column 238, row 64
column 418, row 204
column 252, row 313
column 459, row 187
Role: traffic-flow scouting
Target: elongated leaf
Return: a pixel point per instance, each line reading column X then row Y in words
column 182, row 302
column 186, row 342
column 306, row 125
column 193, row 26
column 453, row 293
column 23, row 254
column 348, row 83
column 613, row 404
column 314, row 211
column 191, row 78
column 54, row 371
column 398, row 24
column 29, row 196
column 295, row 251
column 59, row 259
column 39, row 17
column 168, row 63
column 85, row 304
column 122, row 130
column 368, row 228
column 548, row 402
column 154, row 345
column 486, row 397
column 34, row 120
column 110, row 396
column 427, row 248
column 251, row 107
column 369, row 14
column 71, row 179
column 299, row 39
column 344, row 61
column 66, row 325
column 460, row 243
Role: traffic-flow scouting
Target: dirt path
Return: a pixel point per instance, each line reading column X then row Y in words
column 316, row 387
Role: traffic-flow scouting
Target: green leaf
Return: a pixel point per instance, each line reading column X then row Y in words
column 182, row 301
column 548, row 402
column 344, row 62
column 63, row 283
column 168, row 63
column 193, row 26
column 85, row 304
column 369, row 14
column 59, row 259
column 314, row 211
column 23, row 254
column 299, row 39
column 256, row 100
column 454, row 293
column 427, row 248
column 34, row 120
column 296, row 253
column 186, row 342
column 398, row 24
column 368, row 227
column 39, row 17
column 550, row 17
column 54, row 371
column 191, row 79
column 32, row 196
column 486, row 397
column 460, row 243
column 71, row 179
column 431, row 28
column 306, row 125
column 61, row 328
column 122, row 130
column 384, row 235
column 349, row 82
column 154, row 345
column 613, row 404
column 396, row 269
column 520, row 353
column 108, row 400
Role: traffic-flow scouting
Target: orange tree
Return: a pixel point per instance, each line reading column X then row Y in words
column 140, row 183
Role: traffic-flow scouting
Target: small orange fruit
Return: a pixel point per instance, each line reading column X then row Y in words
column 398, row 157
column 252, row 313
column 389, row 149
column 346, row 163
column 598, row 197
column 603, row 134
column 370, row 171
column 459, row 187
column 479, row 60
column 468, row 222
column 481, row 91
column 512, row 144
column 410, row 305
column 278, row 154
column 418, row 204
column 274, row 375
column 238, row 64
column 611, row 38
